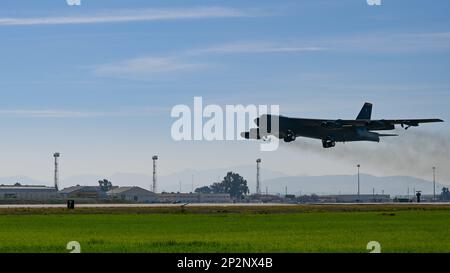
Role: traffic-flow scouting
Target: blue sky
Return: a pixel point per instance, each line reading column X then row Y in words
column 97, row 81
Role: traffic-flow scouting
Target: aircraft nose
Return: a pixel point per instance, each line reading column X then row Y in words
column 245, row 135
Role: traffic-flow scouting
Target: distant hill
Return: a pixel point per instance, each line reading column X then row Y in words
column 24, row 180
column 335, row 184
column 207, row 177
column 274, row 181
column 172, row 182
column 84, row 179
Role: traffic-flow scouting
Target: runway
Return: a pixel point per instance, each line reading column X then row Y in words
column 157, row 205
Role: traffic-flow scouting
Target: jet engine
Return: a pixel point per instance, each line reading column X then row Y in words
column 332, row 124
column 380, row 125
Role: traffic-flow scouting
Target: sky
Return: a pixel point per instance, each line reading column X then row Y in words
column 96, row 82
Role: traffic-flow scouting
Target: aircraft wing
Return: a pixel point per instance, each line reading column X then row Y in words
column 352, row 122
column 385, row 123
column 381, row 124
column 411, row 122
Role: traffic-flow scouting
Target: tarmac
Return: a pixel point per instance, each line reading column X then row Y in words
column 164, row 205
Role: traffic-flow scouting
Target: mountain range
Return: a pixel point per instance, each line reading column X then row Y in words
column 273, row 181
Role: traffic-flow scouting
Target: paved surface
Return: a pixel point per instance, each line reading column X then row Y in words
column 142, row 205
column 200, row 205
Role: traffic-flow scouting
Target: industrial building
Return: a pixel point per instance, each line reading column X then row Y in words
column 355, row 198
column 132, row 194
column 94, row 192
column 214, row 198
column 27, row 193
column 194, row 197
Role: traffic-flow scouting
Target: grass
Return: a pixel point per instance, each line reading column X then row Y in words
column 304, row 229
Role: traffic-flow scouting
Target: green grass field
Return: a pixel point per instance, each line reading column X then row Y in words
column 402, row 230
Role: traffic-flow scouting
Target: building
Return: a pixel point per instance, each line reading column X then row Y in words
column 214, row 198
column 178, row 197
column 27, row 192
column 94, row 192
column 265, row 198
column 193, row 198
column 354, row 198
column 132, row 194
column 413, row 198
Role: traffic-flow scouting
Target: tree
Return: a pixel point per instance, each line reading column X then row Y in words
column 233, row 184
column 105, row 185
column 204, row 189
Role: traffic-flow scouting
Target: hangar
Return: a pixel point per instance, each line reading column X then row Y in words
column 83, row 192
column 27, row 192
column 134, row 194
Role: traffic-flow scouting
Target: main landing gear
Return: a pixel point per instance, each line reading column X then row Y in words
column 328, row 143
column 289, row 137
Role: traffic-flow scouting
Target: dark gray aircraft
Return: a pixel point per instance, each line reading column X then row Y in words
column 330, row 131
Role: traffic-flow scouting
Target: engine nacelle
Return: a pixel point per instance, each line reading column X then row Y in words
column 380, row 125
column 332, row 124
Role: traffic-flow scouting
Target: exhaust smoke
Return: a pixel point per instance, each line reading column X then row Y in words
column 413, row 153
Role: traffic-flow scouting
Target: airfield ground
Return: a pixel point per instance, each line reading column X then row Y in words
column 194, row 228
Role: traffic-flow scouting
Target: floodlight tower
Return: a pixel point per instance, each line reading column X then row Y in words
column 155, row 157
column 258, row 176
column 56, row 156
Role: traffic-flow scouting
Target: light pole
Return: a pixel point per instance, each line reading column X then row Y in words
column 358, row 179
column 434, row 183
column 56, row 178
column 154, row 158
column 258, row 177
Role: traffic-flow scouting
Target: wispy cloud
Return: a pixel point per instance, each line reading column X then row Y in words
column 149, row 67
column 146, row 67
column 47, row 113
column 391, row 42
column 255, row 47
column 58, row 113
column 372, row 42
column 132, row 16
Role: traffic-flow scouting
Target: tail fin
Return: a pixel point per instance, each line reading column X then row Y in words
column 366, row 111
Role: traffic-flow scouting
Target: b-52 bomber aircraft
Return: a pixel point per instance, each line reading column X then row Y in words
column 330, row 131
